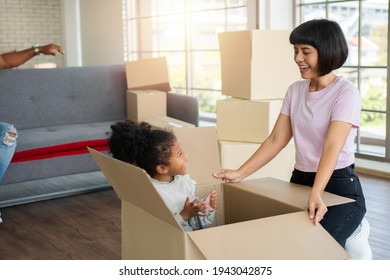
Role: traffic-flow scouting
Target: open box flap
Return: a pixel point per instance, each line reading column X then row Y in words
column 142, row 193
column 287, row 192
column 201, row 146
column 290, row 236
column 166, row 122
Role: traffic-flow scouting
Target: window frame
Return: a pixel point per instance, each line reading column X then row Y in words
column 135, row 51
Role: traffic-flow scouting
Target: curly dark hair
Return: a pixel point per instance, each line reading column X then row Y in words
column 141, row 145
column 329, row 40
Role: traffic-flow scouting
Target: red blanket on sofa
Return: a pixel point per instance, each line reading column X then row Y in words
column 67, row 149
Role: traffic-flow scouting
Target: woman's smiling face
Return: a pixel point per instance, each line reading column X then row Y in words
column 306, row 57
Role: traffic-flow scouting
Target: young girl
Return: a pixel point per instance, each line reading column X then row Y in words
column 160, row 154
column 321, row 112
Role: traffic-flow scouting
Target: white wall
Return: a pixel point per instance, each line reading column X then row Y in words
column 71, row 30
column 101, row 32
column 24, row 23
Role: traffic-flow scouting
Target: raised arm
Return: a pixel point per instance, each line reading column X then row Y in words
column 17, row 58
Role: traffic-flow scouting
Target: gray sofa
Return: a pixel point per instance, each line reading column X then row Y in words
column 51, row 107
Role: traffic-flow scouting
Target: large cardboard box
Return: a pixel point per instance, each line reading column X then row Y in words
column 234, row 154
column 146, row 104
column 263, row 218
column 168, row 123
column 151, row 73
column 246, row 120
column 257, row 64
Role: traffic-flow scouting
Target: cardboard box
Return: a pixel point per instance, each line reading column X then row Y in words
column 257, row 219
column 246, row 120
column 146, row 104
column 257, row 64
column 151, row 73
column 234, row 154
column 168, row 122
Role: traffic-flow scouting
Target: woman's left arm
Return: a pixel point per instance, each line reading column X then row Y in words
column 334, row 142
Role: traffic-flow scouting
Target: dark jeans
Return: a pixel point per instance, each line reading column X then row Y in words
column 340, row 220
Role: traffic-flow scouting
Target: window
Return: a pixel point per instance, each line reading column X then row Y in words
column 365, row 24
column 186, row 33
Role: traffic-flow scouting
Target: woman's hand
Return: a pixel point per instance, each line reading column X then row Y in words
column 317, row 207
column 228, row 176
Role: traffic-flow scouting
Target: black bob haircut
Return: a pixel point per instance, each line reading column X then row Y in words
column 329, row 40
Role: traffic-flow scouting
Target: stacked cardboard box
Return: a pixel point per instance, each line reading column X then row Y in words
column 256, row 68
column 262, row 218
column 234, row 154
column 147, row 88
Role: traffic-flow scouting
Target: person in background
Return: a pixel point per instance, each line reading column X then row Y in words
column 160, row 154
column 322, row 113
column 8, row 133
column 16, row 58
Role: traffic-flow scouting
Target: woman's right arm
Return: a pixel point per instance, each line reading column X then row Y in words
column 275, row 142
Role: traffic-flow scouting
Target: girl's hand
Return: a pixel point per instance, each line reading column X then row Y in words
column 211, row 201
column 317, row 207
column 193, row 208
column 199, row 207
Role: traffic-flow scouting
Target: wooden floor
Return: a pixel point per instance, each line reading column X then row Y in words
column 377, row 193
column 81, row 227
column 87, row 226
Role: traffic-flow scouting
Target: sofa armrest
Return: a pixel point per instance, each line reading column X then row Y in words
column 183, row 107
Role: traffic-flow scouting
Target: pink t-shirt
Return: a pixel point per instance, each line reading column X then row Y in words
column 311, row 113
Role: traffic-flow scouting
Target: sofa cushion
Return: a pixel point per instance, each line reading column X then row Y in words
column 56, row 135
column 61, row 96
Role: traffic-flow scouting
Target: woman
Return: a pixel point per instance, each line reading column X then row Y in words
column 322, row 113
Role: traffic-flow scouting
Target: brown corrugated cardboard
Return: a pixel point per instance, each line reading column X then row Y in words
column 257, row 64
column 246, row 120
column 151, row 73
column 146, row 104
column 168, row 123
column 271, row 238
column 257, row 219
column 234, row 154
